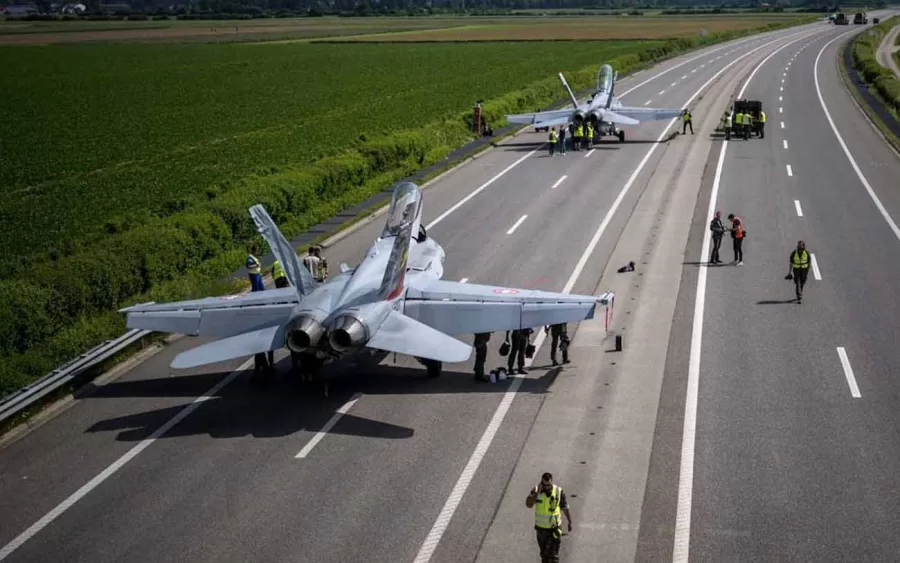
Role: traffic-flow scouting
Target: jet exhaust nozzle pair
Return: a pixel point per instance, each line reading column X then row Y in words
column 347, row 332
column 593, row 118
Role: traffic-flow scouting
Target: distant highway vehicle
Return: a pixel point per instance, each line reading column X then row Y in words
column 841, row 19
column 860, row 18
column 876, row 21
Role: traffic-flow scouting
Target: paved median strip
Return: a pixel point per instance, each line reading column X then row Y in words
column 848, row 372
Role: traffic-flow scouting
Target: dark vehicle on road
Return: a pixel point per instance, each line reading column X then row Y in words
column 860, row 18
column 841, row 19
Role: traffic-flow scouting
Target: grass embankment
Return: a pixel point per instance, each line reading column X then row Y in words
column 884, row 82
column 110, row 204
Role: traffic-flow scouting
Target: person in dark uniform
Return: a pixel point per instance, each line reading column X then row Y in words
column 718, row 231
column 481, row 340
column 549, row 503
column 799, row 260
column 518, row 343
column 558, row 337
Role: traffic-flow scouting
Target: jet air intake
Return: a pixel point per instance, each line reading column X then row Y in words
column 303, row 332
column 347, row 333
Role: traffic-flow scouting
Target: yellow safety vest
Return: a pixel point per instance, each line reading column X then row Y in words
column 801, row 260
column 590, row 131
column 738, row 118
column 728, row 120
column 253, row 264
column 547, row 513
column 553, row 137
column 762, row 117
column 278, row 271
column 687, row 116
column 579, row 131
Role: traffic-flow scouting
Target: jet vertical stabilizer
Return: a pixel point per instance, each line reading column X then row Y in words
column 404, row 214
column 297, row 275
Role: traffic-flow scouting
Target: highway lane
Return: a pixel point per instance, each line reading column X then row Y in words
column 243, row 472
column 790, row 465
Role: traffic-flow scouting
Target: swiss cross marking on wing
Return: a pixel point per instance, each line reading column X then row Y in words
column 506, row 291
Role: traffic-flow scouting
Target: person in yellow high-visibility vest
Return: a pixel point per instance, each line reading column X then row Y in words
column 799, row 268
column 762, row 123
column 686, row 119
column 589, row 136
column 554, row 138
column 278, row 275
column 739, row 124
column 576, row 139
column 549, row 503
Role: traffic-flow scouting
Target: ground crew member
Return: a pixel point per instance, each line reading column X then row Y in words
column 718, row 230
column 549, row 502
column 576, row 141
column 554, row 138
column 799, row 268
column 748, row 125
column 254, row 270
column 558, row 336
column 739, row 124
column 279, row 275
column 762, row 123
column 686, row 117
column 518, row 343
column 312, row 262
column 323, row 264
column 589, row 136
column 481, row 340
column 737, row 238
column 561, row 148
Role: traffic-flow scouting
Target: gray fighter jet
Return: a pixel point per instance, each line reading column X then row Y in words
column 393, row 301
column 603, row 110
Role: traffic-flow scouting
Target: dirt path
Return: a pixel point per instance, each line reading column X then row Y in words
column 887, row 48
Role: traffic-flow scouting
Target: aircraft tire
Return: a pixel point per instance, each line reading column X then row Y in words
column 434, row 369
column 621, row 135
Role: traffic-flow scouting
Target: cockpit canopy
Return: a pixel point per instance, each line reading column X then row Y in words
column 605, row 78
column 406, row 203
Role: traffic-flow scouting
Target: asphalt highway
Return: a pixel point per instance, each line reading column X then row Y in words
column 113, row 478
column 796, row 421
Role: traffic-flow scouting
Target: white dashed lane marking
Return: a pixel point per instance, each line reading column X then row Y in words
column 558, row 182
column 516, row 226
column 785, row 144
column 797, row 207
column 789, row 171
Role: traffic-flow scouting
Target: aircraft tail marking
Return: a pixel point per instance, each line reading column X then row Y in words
column 297, row 275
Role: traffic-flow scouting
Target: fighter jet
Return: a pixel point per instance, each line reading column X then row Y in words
column 602, row 110
column 393, row 301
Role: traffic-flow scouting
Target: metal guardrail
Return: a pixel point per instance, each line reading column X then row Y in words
column 20, row 400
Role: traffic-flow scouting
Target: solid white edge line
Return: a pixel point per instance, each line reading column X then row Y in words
column 848, row 372
column 328, row 426
column 798, row 208
column 840, row 139
column 815, row 267
column 681, row 548
column 118, row 464
column 789, row 170
column 516, row 225
column 464, row 280
column 478, row 190
column 589, row 153
column 784, row 141
column 558, row 182
column 443, row 520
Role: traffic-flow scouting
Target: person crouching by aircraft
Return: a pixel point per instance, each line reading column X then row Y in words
column 553, row 140
column 518, row 343
column 561, row 145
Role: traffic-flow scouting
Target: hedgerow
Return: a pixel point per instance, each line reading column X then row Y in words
column 58, row 308
column 863, row 51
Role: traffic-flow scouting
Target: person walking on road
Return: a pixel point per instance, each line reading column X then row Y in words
column 686, row 117
column 558, row 337
column 481, row 340
column 737, row 238
column 718, row 230
column 518, row 344
column 799, row 268
column 554, row 139
column 549, row 503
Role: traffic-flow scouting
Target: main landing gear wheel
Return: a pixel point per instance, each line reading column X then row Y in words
column 621, row 134
column 433, row 367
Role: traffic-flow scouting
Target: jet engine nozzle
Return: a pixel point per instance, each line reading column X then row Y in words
column 302, row 333
column 347, row 332
column 594, row 118
column 578, row 118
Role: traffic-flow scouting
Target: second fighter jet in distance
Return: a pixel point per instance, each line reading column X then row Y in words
column 393, row 301
column 602, row 110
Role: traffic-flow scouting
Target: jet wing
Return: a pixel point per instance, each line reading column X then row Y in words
column 218, row 317
column 461, row 308
column 647, row 114
column 543, row 118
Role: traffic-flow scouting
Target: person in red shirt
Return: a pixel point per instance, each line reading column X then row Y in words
column 737, row 238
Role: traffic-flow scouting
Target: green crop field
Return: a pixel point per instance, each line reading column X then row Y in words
column 95, row 136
